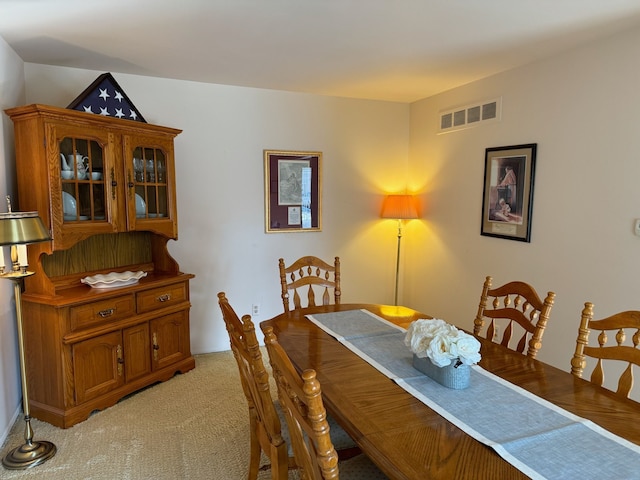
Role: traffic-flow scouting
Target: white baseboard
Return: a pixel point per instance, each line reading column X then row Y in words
column 7, row 431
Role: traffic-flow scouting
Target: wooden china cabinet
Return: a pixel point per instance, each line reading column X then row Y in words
column 105, row 187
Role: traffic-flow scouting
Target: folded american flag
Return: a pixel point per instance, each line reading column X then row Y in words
column 105, row 97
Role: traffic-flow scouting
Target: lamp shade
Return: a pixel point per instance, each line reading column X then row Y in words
column 21, row 228
column 401, row 207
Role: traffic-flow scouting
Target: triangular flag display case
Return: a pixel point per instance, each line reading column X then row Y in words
column 105, row 97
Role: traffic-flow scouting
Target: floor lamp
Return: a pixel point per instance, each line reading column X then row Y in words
column 399, row 207
column 18, row 229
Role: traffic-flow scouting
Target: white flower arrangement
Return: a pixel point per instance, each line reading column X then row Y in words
column 442, row 343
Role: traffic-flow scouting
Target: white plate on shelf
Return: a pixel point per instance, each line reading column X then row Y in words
column 141, row 207
column 69, row 205
column 113, row 279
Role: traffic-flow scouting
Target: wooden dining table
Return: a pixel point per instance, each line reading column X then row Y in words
column 402, row 435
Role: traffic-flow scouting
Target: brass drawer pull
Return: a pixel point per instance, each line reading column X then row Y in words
column 164, row 298
column 120, row 359
column 114, row 184
column 107, row 313
column 130, row 185
column 156, row 347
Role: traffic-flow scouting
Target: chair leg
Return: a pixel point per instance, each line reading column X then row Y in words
column 256, row 451
column 280, row 463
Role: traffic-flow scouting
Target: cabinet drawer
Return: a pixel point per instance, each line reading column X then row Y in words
column 102, row 311
column 161, row 297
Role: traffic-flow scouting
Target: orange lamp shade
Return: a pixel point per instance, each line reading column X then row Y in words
column 401, row 207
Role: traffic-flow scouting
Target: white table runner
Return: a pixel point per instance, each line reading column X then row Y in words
column 540, row 439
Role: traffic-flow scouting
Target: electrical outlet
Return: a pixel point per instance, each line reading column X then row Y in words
column 255, row 309
column 636, row 227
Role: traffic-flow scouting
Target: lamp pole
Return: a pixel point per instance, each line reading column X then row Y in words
column 18, row 229
column 399, row 207
column 31, row 453
column 395, row 298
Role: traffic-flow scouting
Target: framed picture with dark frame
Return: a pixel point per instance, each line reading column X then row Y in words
column 507, row 198
column 293, row 191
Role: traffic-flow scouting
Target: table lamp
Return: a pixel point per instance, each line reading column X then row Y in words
column 399, row 207
column 18, row 229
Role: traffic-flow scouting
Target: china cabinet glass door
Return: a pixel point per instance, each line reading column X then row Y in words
column 82, row 172
column 150, row 174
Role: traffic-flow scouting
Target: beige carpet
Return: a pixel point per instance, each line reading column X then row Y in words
column 195, row 426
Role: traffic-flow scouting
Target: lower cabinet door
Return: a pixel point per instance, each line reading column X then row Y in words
column 137, row 351
column 98, row 365
column 170, row 339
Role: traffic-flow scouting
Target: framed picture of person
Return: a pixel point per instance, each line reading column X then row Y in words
column 293, row 191
column 507, row 198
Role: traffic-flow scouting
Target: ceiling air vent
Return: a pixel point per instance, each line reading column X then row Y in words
column 470, row 115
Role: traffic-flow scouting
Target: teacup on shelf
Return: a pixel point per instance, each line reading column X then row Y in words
column 66, row 174
column 96, row 175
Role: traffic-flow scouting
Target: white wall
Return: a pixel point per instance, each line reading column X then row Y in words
column 11, row 94
column 582, row 108
column 219, row 159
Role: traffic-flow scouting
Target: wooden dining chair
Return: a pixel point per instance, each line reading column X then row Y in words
column 515, row 309
column 625, row 353
column 301, row 399
column 266, row 417
column 309, row 276
column 264, row 422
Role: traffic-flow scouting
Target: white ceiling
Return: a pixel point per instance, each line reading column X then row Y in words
column 396, row 50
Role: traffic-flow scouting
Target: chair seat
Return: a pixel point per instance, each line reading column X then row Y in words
column 360, row 468
column 357, row 468
column 339, row 437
